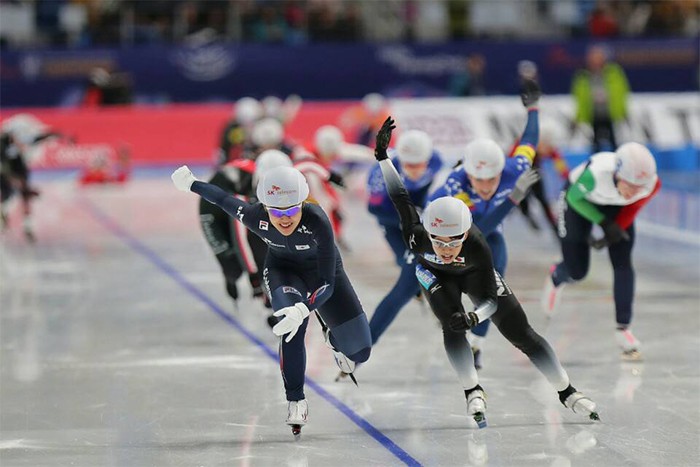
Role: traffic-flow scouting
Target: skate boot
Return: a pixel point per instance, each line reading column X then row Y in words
column 629, row 345
column 297, row 414
column 578, row 403
column 551, row 295
column 476, row 405
column 347, row 366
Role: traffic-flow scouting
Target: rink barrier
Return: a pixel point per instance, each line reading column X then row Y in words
column 169, row 134
column 139, row 247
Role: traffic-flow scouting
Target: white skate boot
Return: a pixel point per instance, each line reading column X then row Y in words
column 581, row 404
column 551, row 295
column 629, row 345
column 476, row 406
column 347, row 366
column 297, row 414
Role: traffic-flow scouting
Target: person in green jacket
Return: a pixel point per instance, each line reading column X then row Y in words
column 600, row 92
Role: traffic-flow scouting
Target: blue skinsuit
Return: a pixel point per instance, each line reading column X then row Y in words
column 380, row 205
column 302, row 267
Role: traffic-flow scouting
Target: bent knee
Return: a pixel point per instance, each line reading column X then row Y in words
column 361, row 356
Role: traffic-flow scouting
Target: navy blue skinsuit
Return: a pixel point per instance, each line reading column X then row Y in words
column 303, row 267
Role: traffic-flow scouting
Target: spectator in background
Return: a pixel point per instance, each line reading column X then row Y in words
column 600, row 92
column 105, row 88
column 602, row 21
column 470, row 80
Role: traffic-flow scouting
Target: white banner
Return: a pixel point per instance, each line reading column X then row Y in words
column 667, row 121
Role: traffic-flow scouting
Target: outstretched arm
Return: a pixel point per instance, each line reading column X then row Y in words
column 397, row 191
column 184, row 180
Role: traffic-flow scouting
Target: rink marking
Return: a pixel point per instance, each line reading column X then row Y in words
column 117, row 230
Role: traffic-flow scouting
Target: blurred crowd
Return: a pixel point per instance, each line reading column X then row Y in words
column 85, row 23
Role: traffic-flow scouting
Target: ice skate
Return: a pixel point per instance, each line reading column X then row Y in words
column 297, row 414
column 629, row 345
column 347, row 366
column 476, row 405
column 551, row 295
column 578, row 403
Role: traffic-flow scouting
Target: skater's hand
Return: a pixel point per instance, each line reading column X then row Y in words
column 183, row 178
column 530, row 92
column 336, row 179
column 293, row 317
column 613, row 232
column 383, row 139
column 463, row 321
column 523, row 185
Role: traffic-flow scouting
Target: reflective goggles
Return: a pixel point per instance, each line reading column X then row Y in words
column 289, row 212
column 458, row 240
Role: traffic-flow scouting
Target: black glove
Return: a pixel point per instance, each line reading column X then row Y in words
column 613, row 232
column 463, row 321
column 530, row 92
column 383, row 139
column 256, row 285
column 336, row 179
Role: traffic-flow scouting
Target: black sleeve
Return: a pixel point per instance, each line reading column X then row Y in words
column 484, row 279
column 233, row 206
column 401, row 200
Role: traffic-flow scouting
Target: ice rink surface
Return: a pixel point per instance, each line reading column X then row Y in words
column 119, row 347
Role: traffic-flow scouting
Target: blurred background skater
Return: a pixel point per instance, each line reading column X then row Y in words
column 303, row 273
column 453, row 259
column 609, row 190
column 491, row 185
column 364, row 120
column 19, row 135
column 600, row 92
column 546, row 151
column 235, row 138
column 417, row 163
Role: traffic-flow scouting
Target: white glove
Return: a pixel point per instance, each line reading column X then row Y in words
column 183, row 178
column 293, row 317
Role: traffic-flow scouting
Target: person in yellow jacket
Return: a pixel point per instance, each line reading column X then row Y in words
column 600, row 92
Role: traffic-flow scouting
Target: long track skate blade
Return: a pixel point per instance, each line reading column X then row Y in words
column 352, row 377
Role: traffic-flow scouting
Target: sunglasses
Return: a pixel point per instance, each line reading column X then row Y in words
column 458, row 240
column 289, row 212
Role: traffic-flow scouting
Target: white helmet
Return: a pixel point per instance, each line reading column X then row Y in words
column 373, row 103
column 247, row 110
column 549, row 132
column 447, row 217
column 281, row 187
column 269, row 159
column 484, row 158
column 272, row 106
column 635, row 164
column 328, row 140
column 414, row 147
column 268, row 132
